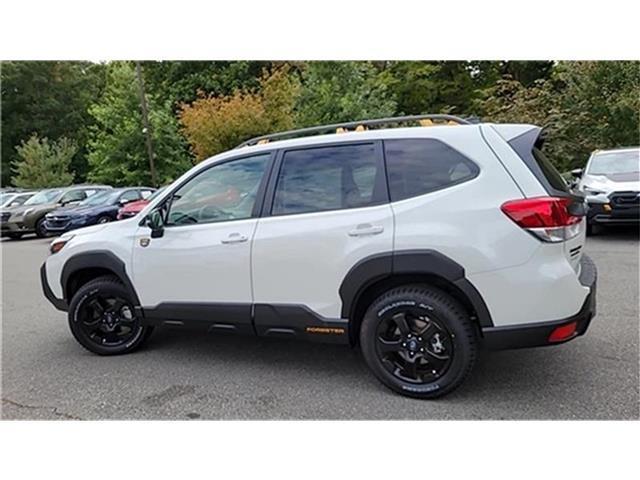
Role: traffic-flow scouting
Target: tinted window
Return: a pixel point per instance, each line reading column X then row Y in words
column 416, row 167
column 223, row 192
column 326, row 178
column 549, row 171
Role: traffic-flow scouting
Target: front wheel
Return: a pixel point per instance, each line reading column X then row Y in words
column 102, row 318
column 418, row 341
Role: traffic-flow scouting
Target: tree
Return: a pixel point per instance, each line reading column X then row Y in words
column 117, row 153
column 213, row 124
column 185, row 81
column 583, row 106
column 340, row 92
column 50, row 99
column 44, row 164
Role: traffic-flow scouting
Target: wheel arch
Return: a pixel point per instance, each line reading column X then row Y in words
column 83, row 267
column 374, row 275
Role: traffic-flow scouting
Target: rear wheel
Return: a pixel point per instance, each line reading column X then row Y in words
column 103, row 320
column 104, row 219
column 41, row 232
column 418, row 341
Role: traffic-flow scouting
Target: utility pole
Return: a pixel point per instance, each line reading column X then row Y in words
column 147, row 128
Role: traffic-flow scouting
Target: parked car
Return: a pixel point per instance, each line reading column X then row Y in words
column 611, row 183
column 131, row 209
column 421, row 245
column 14, row 199
column 30, row 216
column 100, row 208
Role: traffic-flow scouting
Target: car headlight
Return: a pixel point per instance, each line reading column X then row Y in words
column 59, row 243
column 592, row 191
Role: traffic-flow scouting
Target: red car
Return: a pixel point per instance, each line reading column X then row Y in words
column 133, row 208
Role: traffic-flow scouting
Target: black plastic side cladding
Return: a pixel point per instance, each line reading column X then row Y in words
column 102, row 259
column 410, row 262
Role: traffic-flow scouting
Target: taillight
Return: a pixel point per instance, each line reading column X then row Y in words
column 548, row 218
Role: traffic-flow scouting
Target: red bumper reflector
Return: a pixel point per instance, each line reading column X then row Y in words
column 564, row 332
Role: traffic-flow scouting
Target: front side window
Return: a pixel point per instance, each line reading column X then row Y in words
column 326, row 178
column 419, row 166
column 73, row 196
column 223, row 192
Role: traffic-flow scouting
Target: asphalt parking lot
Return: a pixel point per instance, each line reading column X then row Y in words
column 183, row 375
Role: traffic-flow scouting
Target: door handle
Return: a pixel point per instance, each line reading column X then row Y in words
column 234, row 238
column 366, row 229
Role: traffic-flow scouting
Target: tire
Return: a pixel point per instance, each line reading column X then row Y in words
column 41, row 232
column 593, row 229
column 120, row 334
column 104, row 219
column 14, row 236
column 441, row 360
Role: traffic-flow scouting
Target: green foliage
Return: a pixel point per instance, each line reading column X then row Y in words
column 44, row 164
column 342, row 91
column 184, row 82
column 214, row 124
column 583, row 106
column 50, row 99
column 117, row 151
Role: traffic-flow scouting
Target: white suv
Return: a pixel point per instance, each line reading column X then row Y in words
column 420, row 244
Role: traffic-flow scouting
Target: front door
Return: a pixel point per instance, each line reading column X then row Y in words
column 199, row 270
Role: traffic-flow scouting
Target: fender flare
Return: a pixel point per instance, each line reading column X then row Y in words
column 409, row 262
column 96, row 259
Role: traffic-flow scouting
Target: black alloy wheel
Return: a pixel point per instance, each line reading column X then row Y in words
column 103, row 319
column 413, row 346
column 419, row 341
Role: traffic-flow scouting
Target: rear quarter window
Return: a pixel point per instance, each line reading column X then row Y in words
column 419, row 166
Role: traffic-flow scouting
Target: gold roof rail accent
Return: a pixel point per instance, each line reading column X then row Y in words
column 424, row 120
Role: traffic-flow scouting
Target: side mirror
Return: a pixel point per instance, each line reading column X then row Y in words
column 156, row 223
column 576, row 172
column 15, row 204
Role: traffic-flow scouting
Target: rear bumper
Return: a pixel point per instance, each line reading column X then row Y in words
column 537, row 334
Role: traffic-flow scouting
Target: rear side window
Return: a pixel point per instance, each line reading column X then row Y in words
column 327, row 178
column 419, row 166
column 549, row 171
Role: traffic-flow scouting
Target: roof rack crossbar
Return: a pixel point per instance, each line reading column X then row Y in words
column 346, row 125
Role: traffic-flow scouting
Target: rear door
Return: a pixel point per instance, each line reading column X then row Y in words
column 326, row 209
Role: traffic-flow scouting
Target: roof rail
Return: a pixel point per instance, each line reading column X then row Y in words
column 363, row 124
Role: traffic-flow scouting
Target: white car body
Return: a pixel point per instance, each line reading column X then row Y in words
column 302, row 259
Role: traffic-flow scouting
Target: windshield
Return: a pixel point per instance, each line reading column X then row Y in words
column 5, row 196
column 46, row 196
column 101, row 198
column 626, row 161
